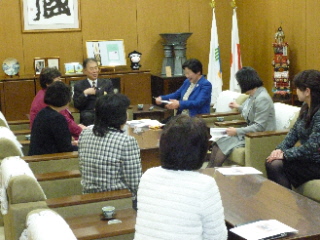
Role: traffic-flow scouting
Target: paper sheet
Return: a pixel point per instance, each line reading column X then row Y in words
column 263, row 229
column 229, row 171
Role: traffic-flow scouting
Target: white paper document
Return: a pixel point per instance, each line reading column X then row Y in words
column 217, row 133
column 165, row 101
column 229, row 171
column 263, row 230
column 144, row 123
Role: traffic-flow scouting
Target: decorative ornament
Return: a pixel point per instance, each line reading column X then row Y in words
column 213, row 4
column 280, row 63
column 11, row 66
column 233, row 4
column 135, row 60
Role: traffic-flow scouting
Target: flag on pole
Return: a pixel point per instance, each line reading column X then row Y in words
column 214, row 67
column 235, row 53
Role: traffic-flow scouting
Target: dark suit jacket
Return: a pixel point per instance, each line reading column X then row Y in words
column 83, row 102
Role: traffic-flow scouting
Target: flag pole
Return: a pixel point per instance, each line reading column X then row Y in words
column 236, row 63
column 214, row 67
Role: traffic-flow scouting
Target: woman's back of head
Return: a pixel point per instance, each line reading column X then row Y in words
column 184, row 143
column 47, row 76
column 110, row 111
column 58, row 94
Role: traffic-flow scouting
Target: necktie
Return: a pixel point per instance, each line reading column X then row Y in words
column 93, row 84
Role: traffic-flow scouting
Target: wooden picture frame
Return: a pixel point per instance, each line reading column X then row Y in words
column 53, row 62
column 108, row 53
column 64, row 16
column 38, row 65
column 73, row 68
column 42, row 62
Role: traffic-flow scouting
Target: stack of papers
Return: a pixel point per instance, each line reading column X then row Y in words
column 144, row 123
column 230, row 171
column 263, row 230
column 217, row 133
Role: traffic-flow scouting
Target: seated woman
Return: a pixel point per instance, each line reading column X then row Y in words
column 175, row 201
column 257, row 110
column 294, row 165
column 194, row 96
column 50, row 133
column 47, row 77
column 109, row 159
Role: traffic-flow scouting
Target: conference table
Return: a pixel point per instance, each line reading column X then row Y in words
column 249, row 198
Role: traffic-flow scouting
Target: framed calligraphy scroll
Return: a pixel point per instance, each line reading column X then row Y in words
column 50, row 15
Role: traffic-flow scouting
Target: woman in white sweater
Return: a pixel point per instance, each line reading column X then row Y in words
column 175, row 201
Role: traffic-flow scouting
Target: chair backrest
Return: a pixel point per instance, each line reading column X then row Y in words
column 286, row 115
column 3, row 121
column 9, row 145
column 45, row 224
column 20, row 193
column 225, row 97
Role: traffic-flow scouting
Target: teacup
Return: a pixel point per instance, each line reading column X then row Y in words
column 108, row 211
column 220, row 119
column 140, row 106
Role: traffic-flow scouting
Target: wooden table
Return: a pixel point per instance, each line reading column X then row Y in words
column 253, row 197
column 245, row 198
column 92, row 227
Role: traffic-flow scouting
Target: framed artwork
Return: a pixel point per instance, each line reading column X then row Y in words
column 42, row 62
column 50, row 15
column 39, row 64
column 73, row 68
column 109, row 53
column 53, row 62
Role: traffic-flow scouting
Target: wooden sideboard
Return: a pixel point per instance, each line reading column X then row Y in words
column 162, row 85
column 17, row 93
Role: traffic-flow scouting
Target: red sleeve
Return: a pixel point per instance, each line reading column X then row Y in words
column 74, row 129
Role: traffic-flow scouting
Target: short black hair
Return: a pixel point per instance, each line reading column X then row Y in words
column 193, row 64
column 110, row 111
column 47, row 75
column 248, row 79
column 184, row 143
column 57, row 94
column 87, row 60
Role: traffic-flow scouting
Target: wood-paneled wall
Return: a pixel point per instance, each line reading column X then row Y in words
column 139, row 23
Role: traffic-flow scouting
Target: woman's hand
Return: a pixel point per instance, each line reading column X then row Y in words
column 233, row 105
column 275, row 155
column 231, row 131
column 174, row 104
column 158, row 100
column 82, row 126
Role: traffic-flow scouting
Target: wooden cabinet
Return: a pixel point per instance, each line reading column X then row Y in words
column 162, row 85
column 16, row 97
column 16, row 94
column 137, row 86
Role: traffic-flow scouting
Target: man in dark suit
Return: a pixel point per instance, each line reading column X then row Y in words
column 86, row 91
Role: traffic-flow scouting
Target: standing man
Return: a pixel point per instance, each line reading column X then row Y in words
column 86, row 91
